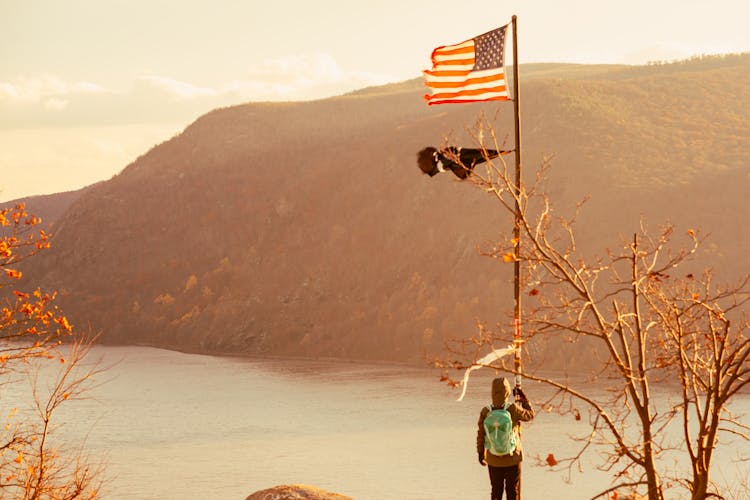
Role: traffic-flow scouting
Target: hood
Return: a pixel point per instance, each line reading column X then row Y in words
column 500, row 391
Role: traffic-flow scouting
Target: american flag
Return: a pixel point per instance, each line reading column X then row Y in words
column 469, row 71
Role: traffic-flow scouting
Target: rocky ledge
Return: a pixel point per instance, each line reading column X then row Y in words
column 296, row 492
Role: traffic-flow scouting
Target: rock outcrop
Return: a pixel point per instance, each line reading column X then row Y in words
column 296, row 492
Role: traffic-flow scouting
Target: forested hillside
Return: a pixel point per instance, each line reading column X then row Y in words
column 307, row 229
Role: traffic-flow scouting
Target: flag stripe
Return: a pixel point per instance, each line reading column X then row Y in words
column 457, row 46
column 455, row 61
column 459, row 99
column 469, row 71
column 448, row 101
column 465, row 48
column 471, row 92
column 442, row 83
column 446, row 73
column 464, row 76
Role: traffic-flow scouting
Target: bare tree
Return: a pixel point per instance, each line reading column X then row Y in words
column 35, row 466
column 644, row 315
column 36, row 336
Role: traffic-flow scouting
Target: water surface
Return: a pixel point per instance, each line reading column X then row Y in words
column 180, row 426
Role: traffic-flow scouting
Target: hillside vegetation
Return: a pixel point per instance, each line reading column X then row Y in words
column 306, row 228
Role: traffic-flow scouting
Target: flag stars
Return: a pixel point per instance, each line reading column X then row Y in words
column 489, row 49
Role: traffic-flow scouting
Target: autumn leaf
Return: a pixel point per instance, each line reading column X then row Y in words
column 63, row 322
column 13, row 274
column 691, row 233
column 19, row 458
column 696, row 296
column 534, row 292
column 449, row 381
column 577, row 414
column 509, row 257
column 551, row 460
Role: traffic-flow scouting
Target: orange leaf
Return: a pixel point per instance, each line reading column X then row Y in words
column 63, row 322
column 13, row 274
column 551, row 460
column 509, row 257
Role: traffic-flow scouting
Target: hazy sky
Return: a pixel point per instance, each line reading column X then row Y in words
column 88, row 85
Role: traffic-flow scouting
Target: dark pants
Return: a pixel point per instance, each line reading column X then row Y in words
column 508, row 479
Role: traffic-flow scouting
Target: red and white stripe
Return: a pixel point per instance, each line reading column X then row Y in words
column 452, row 80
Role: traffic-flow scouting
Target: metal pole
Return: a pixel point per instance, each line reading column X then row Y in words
column 517, row 225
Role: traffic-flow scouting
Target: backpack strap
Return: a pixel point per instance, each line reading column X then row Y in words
column 490, row 407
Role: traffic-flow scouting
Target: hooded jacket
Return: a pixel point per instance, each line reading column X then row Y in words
column 518, row 413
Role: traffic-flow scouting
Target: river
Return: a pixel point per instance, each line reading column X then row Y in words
column 171, row 425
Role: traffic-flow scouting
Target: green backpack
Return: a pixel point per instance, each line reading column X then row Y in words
column 499, row 436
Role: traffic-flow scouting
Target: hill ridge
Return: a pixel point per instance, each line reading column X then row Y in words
column 306, row 228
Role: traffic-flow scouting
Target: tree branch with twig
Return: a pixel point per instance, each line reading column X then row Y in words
column 638, row 320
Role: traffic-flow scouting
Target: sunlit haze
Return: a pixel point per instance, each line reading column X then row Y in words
column 86, row 86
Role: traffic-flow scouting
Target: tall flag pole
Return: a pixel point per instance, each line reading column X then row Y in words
column 517, row 226
column 471, row 71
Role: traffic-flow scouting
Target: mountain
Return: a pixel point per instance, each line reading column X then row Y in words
column 306, row 229
column 49, row 207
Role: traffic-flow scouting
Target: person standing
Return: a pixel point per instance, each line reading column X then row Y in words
column 504, row 468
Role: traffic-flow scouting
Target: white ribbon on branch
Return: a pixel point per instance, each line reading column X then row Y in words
column 493, row 356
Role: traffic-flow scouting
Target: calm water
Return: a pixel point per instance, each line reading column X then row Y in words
column 180, row 426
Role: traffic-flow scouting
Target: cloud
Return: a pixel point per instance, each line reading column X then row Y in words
column 50, row 101
column 55, row 104
column 302, row 77
column 174, row 89
column 42, row 88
